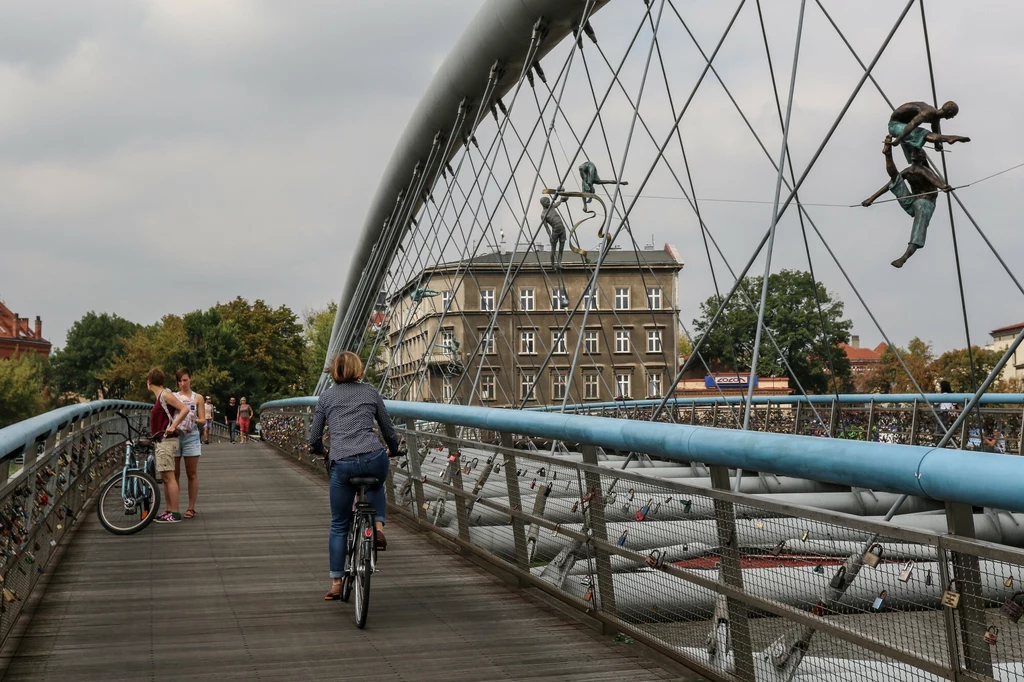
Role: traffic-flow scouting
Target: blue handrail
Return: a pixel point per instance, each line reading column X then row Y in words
column 18, row 438
column 844, row 399
column 977, row 478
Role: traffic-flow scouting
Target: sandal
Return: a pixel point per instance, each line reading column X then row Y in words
column 382, row 542
column 189, row 513
column 333, row 593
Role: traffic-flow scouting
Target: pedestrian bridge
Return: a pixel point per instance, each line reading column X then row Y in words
column 522, row 546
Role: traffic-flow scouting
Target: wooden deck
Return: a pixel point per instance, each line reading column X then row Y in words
column 236, row 594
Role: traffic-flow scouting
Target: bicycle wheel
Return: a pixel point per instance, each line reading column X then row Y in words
column 128, row 502
column 362, row 568
column 346, row 578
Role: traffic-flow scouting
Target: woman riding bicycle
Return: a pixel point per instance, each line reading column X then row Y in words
column 349, row 408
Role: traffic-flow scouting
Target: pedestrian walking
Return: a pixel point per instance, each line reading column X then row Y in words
column 245, row 415
column 231, row 418
column 209, row 419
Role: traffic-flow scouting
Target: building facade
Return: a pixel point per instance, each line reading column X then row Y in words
column 17, row 338
column 482, row 332
column 1001, row 340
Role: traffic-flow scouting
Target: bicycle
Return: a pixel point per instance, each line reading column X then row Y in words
column 361, row 544
column 129, row 500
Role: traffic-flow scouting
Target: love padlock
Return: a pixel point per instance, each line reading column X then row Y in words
column 838, row 581
column 950, row 598
column 806, row 534
column 611, row 498
column 575, row 506
column 1008, row 582
column 1011, row 609
column 777, row 549
column 533, row 484
column 880, row 600
column 621, row 542
column 908, row 568
column 656, row 559
column 687, row 506
column 992, row 634
column 642, row 512
column 630, row 494
column 873, row 556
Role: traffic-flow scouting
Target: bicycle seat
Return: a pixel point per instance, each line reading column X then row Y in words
column 364, row 481
column 144, row 443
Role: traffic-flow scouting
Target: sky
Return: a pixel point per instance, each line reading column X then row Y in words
column 160, row 157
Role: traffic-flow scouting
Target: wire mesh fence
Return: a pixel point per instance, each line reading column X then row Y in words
column 736, row 585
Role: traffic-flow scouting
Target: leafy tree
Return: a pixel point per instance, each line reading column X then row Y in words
column 791, row 313
column 22, row 391
column 888, row 376
column 158, row 345
column 685, row 347
column 92, row 343
column 955, row 367
column 317, row 326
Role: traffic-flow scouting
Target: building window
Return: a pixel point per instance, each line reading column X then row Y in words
column 447, row 340
column 590, row 299
column 653, row 340
column 621, row 341
column 654, row 298
column 487, row 299
column 558, row 343
column 527, row 343
column 590, row 342
column 488, row 342
column 526, row 299
column 654, row 385
column 622, row 298
column 487, row 387
column 446, row 390
column 446, row 300
column 591, row 387
column 622, row 385
column 526, row 382
column 558, row 384
column 559, row 301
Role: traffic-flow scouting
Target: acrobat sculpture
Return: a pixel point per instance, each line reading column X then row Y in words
column 919, row 200
column 553, row 223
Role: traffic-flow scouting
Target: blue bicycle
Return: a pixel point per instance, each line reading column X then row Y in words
column 129, row 500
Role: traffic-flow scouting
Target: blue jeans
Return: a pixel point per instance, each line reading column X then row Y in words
column 232, row 429
column 343, row 495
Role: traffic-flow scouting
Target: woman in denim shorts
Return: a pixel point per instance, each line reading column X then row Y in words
column 190, row 444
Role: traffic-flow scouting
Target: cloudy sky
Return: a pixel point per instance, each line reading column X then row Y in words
column 162, row 156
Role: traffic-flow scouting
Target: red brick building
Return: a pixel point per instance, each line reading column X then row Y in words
column 17, row 338
column 861, row 359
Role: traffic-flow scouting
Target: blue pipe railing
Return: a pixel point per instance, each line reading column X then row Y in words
column 977, row 478
column 844, row 399
column 17, row 438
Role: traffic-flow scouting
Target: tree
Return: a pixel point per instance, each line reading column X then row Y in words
column 317, row 326
column 22, row 391
column 888, row 375
column 158, row 345
column 91, row 345
column 685, row 347
column 955, row 367
column 791, row 313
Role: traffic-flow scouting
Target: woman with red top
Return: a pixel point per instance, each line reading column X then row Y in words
column 164, row 426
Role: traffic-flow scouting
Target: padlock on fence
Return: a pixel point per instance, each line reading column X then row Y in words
column 880, row 600
column 806, row 534
column 642, row 512
column 575, row 506
column 777, row 549
column 873, row 556
column 1011, row 609
column 950, row 598
column 656, row 559
column 992, row 634
column 1008, row 582
column 838, row 581
column 621, row 542
column 905, row 572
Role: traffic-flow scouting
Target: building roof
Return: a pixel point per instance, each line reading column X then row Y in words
column 1011, row 328
column 863, row 354
column 17, row 327
column 666, row 256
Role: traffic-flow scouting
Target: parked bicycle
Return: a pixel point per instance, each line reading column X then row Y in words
column 129, row 500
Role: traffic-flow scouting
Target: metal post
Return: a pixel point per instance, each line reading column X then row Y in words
column 796, row 420
column 1020, row 436
column 595, row 512
column 415, row 476
column 693, row 414
column 732, row 574
column 871, row 422
column 913, row 425
column 832, row 418
column 971, row 612
column 515, row 502
column 461, row 515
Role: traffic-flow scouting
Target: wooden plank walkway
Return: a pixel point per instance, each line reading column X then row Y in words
column 236, row 594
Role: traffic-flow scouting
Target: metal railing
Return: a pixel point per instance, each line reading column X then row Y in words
column 50, row 466
column 736, row 586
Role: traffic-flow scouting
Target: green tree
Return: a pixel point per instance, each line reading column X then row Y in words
column 317, row 325
column 22, row 391
column 791, row 313
column 158, row 345
column 888, row 375
column 955, row 367
column 91, row 345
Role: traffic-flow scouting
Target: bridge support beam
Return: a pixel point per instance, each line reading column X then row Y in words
column 595, row 514
column 516, row 502
column 977, row 657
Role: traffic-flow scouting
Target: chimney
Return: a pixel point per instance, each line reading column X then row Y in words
column 855, row 341
column 39, row 328
column 17, row 326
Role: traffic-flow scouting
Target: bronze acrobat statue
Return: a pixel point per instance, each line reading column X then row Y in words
column 589, row 178
column 918, row 201
column 906, row 121
column 553, row 223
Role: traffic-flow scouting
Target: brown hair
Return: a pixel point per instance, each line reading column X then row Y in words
column 155, row 377
column 346, row 367
column 182, row 372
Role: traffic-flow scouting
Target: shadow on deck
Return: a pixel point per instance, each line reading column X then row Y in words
column 236, row 593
